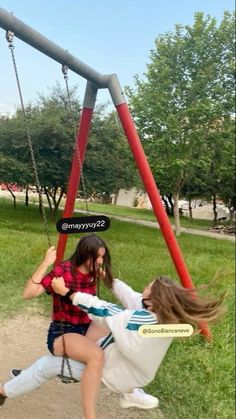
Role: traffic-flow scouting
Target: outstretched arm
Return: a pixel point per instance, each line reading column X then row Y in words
column 33, row 287
column 97, row 309
column 126, row 295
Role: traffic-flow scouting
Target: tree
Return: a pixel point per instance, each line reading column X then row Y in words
column 221, row 171
column 52, row 135
column 14, row 166
column 54, row 130
column 12, row 149
column 108, row 164
column 187, row 90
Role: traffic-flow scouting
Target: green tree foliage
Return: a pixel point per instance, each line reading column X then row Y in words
column 13, row 158
column 186, row 101
column 220, row 173
column 52, row 136
column 107, row 167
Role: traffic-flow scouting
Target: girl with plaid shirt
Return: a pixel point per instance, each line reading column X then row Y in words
column 80, row 273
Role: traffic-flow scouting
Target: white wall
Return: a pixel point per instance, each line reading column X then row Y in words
column 126, row 198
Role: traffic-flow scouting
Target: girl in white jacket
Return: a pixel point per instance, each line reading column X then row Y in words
column 165, row 302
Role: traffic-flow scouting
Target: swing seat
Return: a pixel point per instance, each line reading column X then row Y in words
column 67, row 380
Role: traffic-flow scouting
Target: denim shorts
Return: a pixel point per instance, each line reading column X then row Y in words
column 58, row 328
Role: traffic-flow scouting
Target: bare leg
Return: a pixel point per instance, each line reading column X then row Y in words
column 82, row 349
column 95, row 332
column 90, row 385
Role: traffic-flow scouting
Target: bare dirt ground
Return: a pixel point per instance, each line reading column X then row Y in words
column 22, row 341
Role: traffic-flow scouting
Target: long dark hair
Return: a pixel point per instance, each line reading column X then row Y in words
column 87, row 248
column 175, row 304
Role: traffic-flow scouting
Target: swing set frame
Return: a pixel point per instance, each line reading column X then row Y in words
column 96, row 81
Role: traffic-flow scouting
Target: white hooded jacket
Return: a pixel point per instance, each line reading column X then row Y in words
column 134, row 359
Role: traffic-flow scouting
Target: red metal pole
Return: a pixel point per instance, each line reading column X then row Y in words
column 82, row 140
column 155, row 198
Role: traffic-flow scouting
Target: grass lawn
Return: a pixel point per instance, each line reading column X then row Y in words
column 143, row 214
column 195, row 379
column 136, row 213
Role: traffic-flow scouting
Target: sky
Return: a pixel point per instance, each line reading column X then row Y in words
column 111, row 36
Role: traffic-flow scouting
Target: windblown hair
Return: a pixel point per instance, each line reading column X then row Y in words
column 175, row 304
column 87, row 248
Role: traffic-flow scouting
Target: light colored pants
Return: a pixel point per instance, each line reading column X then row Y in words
column 43, row 369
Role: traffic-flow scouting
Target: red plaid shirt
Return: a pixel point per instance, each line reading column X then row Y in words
column 63, row 310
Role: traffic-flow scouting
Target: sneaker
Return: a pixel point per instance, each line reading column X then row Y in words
column 138, row 398
column 15, row 372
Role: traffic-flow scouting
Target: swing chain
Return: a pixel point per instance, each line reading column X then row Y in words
column 65, row 73
column 10, row 38
column 64, row 379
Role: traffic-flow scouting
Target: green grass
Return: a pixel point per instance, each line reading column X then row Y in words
column 134, row 213
column 142, row 214
column 195, row 379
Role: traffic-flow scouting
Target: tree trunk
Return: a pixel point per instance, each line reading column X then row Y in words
column 176, row 213
column 14, row 198
column 231, row 215
column 40, row 198
column 214, row 209
column 57, row 202
column 40, row 205
column 27, row 196
column 190, row 210
column 116, row 198
column 232, row 210
column 48, row 199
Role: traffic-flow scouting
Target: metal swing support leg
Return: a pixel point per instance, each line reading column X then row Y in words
column 75, row 174
column 151, row 189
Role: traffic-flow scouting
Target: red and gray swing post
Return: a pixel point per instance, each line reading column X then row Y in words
column 99, row 81
column 75, row 174
column 151, row 188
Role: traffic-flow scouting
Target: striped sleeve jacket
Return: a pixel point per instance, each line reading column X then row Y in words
column 132, row 360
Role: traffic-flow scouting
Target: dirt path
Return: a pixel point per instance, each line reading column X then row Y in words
column 22, row 341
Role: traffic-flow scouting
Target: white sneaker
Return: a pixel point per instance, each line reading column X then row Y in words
column 138, row 398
